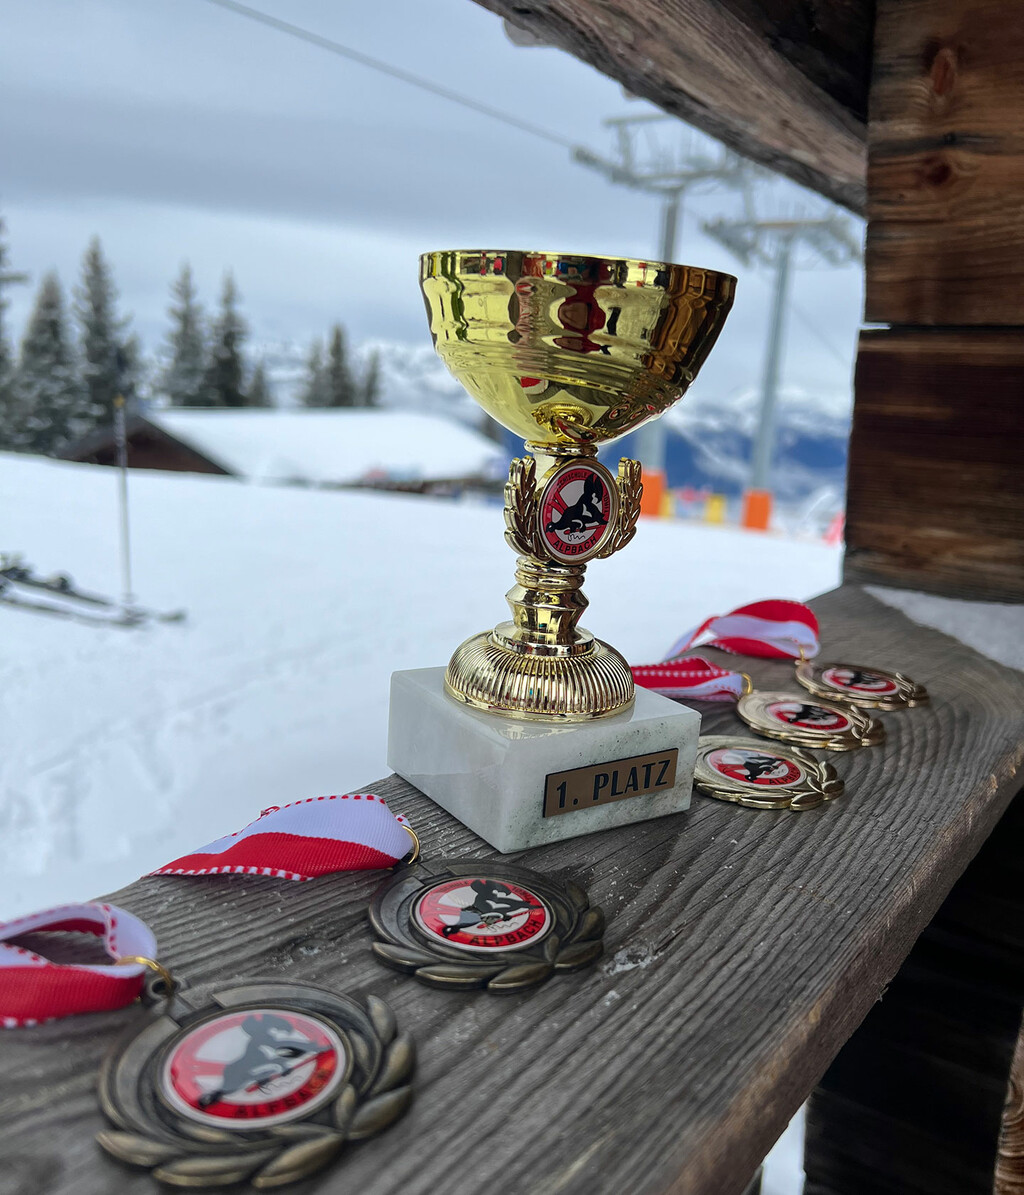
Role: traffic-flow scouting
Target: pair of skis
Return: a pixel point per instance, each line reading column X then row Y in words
column 58, row 595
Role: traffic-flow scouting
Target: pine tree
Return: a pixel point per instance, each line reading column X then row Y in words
column 370, row 389
column 260, row 393
column 341, row 390
column 103, row 337
column 182, row 379
column 222, row 382
column 51, row 404
column 315, row 391
column 7, row 409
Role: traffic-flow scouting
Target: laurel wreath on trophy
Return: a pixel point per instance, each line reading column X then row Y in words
column 631, row 490
column 190, row 1155
column 521, row 531
column 578, row 945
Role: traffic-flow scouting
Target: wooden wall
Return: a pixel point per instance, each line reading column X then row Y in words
column 936, row 492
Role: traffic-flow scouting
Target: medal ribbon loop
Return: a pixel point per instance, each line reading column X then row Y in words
column 305, row 839
column 34, row 989
column 774, row 629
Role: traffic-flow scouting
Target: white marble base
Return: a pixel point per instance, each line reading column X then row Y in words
column 490, row 772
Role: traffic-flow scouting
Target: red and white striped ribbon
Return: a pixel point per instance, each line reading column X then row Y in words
column 34, row 989
column 693, row 677
column 775, row 629
column 350, row 832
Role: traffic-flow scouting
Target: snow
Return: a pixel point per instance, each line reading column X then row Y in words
column 331, row 447
column 124, row 748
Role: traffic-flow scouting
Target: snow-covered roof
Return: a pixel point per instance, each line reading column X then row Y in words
column 333, row 447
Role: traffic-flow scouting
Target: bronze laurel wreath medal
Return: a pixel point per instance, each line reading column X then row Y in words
column 745, row 772
column 872, row 688
column 466, row 924
column 266, row 1084
column 788, row 717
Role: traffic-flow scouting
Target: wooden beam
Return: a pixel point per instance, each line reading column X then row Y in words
column 770, row 80
column 743, row 949
column 936, row 490
column 945, row 238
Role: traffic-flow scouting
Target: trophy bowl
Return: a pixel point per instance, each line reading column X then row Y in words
column 568, row 352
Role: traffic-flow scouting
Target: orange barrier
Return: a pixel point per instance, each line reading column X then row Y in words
column 757, row 510
column 655, row 493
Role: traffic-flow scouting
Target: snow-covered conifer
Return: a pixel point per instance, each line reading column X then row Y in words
column 50, row 403
column 182, row 379
column 103, row 337
column 259, row 392
column 225, row 368
column 341, row 389
column 315, row 391
column 369, row 395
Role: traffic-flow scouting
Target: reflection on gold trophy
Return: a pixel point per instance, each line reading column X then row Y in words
column 570, row 353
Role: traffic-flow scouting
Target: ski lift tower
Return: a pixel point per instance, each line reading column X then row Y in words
column 825, row 238
column 663, row 157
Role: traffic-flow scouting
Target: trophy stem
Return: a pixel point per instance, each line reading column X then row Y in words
column 541, row 665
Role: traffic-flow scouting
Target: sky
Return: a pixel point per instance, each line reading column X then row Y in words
column 174, row 130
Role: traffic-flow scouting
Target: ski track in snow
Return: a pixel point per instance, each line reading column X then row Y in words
column 120, row 749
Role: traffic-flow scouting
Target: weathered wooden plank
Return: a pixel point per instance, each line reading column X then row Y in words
column 914, row 1103
column 743, row 949
column 936, row 491
column 945, row 240
column 783, row 84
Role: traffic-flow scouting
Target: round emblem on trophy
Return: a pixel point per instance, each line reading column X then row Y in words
column 482, row 924
column 577, row 511
column 809, row 724
column 806, row 716
column 253, row 1069
column 742, row 771
column 746, row 766
column 482, row 915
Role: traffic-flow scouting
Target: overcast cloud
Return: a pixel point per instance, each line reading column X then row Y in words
column 174, row 129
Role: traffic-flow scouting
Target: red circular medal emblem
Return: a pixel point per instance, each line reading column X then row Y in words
column 253, row 1069
column 754, row 767
column 807, row 716
column 576, row 511
column 482, row 914
column 858, row 680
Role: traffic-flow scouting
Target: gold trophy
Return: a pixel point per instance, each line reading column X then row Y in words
column 570, row 353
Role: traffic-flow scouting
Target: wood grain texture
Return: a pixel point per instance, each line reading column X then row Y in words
column 743, row 949
column 945, row 240
column 914, row 1103
column 936, row 491
column 783, row 83
column 1010, row 1162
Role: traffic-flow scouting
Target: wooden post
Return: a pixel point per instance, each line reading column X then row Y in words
column 936, row 492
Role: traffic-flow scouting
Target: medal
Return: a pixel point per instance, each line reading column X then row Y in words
column 267, row 1082
column 872, row 688
column 465, row 924
column 791, row 719
column 745, row 772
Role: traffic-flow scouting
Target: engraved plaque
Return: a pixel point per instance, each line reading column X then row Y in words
column 617, row 780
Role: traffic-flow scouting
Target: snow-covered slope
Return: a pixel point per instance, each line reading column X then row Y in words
column 122, row 748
